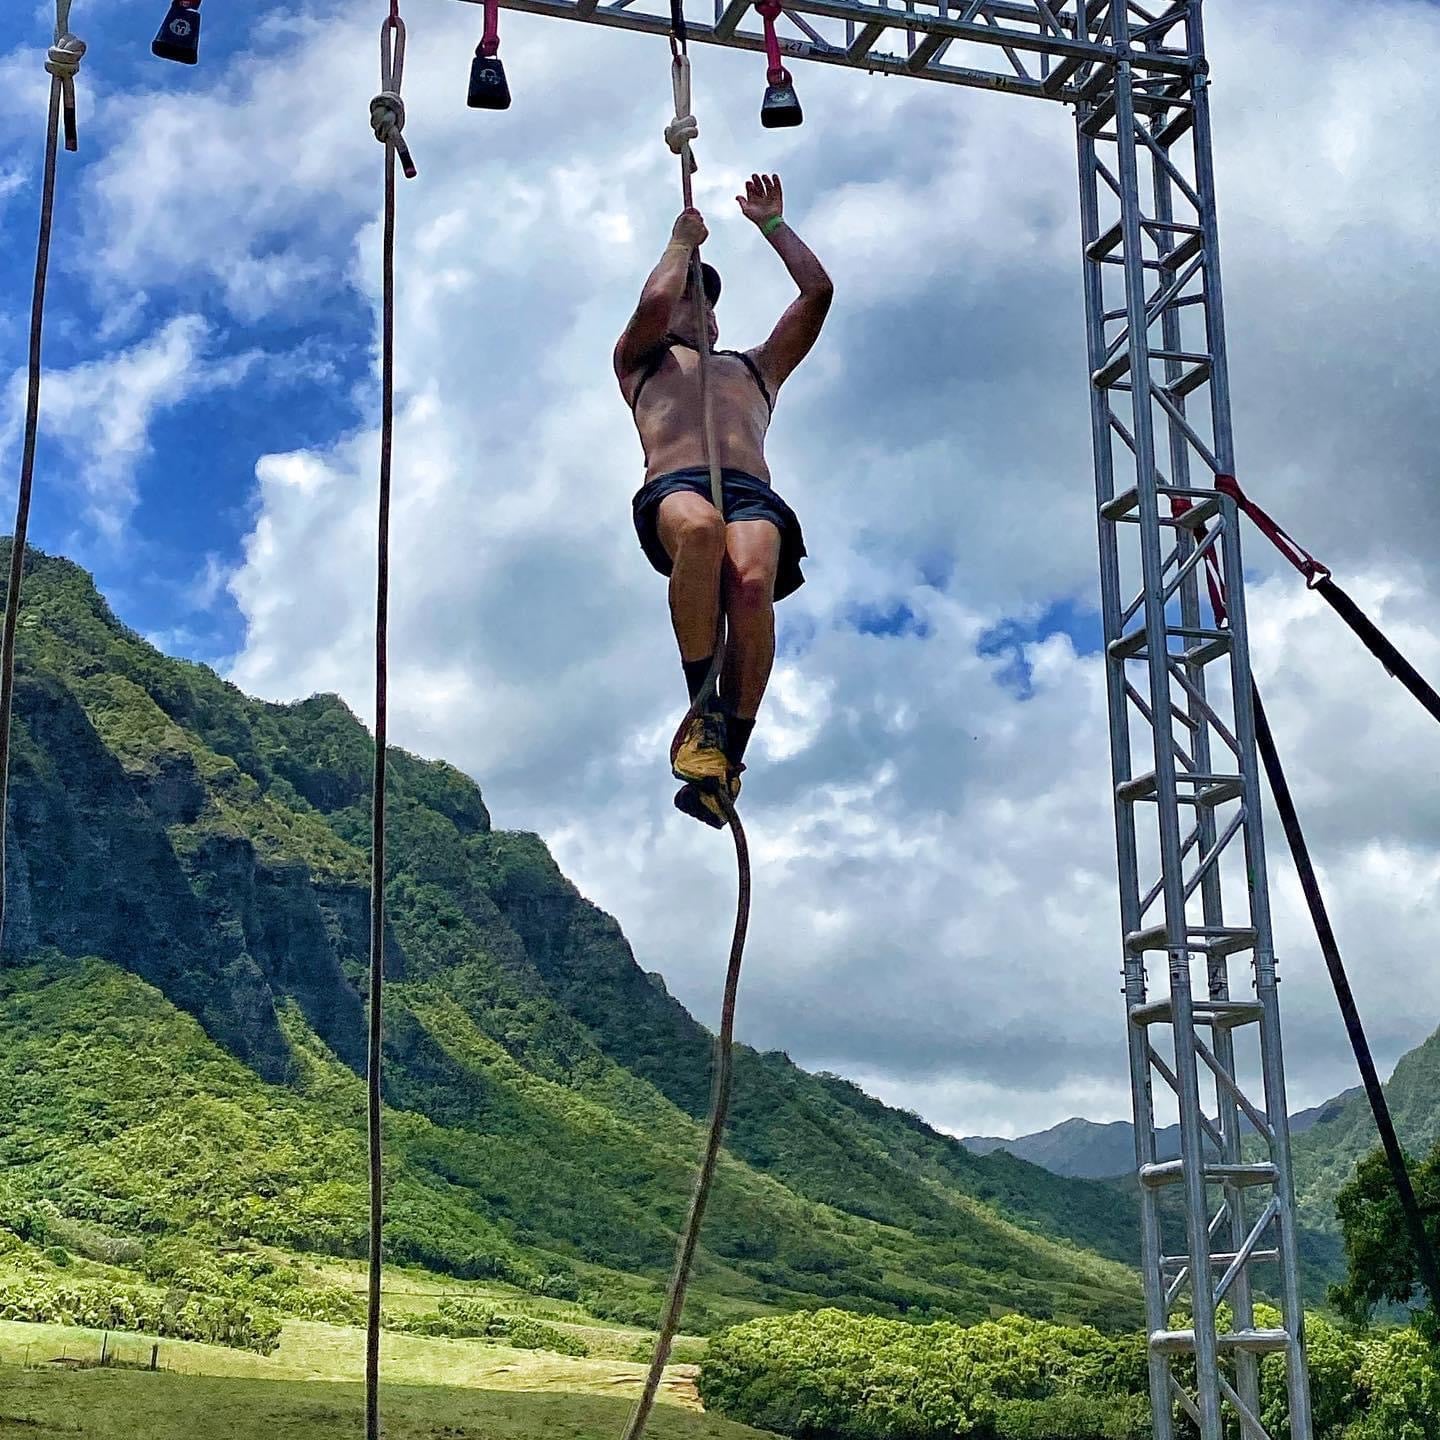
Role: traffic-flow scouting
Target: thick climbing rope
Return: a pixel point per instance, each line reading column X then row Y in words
column 679, row 136
column 1324, row 931
column 387, row 119
column 63, row 63
column 720, row 1086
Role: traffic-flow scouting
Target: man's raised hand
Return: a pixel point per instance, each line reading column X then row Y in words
column 690, row 229
column 763, row 199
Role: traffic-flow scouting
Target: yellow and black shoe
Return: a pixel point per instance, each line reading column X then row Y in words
column 702, row 803
column 697, row 754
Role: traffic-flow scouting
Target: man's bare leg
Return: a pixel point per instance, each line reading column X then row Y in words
column 752, row 558
column 693, row 535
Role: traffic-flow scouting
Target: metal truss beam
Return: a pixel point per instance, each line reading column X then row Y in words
column 1187, row 790
column 1193, row 889
column 1023, row 47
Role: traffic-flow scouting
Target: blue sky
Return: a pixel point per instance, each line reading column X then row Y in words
column 928, row 791
column 194, row 474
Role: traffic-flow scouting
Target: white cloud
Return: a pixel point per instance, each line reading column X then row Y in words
column 935, row 910
column 100, row 411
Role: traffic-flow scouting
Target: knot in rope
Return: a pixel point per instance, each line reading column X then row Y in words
column 387, row 117
column 64, row 56
column 387, row 109
column 62, row 60
column 685, row 128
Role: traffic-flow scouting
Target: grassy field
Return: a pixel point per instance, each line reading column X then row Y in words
column 130, row 1405
column 310, row 1387
column 313, row 1351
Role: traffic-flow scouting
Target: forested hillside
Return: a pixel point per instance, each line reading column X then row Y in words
column 1326, row 1155
column 182, row 1026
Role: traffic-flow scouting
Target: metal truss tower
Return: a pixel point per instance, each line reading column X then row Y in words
column 1219, row 1222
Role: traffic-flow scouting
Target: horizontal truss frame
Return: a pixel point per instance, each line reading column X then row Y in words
column 1046, row 48
column 1182, row 730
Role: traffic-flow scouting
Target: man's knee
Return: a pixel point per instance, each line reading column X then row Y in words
column 699, row 530
column 751, row 587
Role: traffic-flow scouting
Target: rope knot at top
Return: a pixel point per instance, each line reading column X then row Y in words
column 685, row 128
column 387, row 109
column 62, row 60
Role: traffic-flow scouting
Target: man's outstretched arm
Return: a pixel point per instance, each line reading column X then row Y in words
column 651, row 320
column 799, row 327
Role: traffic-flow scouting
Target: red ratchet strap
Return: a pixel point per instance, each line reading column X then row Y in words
column 1313, row 571
column 490, row 40
column 1179, row 505
column 770, row 11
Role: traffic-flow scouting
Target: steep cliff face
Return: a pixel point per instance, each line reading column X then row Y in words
column 544, row 1089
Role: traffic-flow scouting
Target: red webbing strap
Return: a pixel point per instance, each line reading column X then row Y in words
column 490, row 40
column 1319, row 578
column 769, row 12
column 1313, row 571
column 1214, row 578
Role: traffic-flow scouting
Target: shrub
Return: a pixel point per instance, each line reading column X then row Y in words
column 454, row 1320
column 856, row 1377
column 178, row 1314
column 1400, row 1376
column 523, row 1333
column 1334, row 1395
column 1074, row 1417
column 458, row 1319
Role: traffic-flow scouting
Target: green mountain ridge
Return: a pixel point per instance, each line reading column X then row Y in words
column 1325, row 1156
column 182, row 1021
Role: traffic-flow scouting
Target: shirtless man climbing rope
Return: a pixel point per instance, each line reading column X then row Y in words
column 750, row 558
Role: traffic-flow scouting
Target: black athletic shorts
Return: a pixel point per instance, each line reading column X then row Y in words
column 746, row 498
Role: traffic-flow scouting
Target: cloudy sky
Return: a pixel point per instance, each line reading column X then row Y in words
column 928, row 798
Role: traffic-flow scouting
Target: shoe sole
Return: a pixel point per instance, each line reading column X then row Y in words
column 688, row 802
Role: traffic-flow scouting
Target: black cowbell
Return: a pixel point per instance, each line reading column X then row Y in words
column 781, row 108
column 488, row 87
column 179, row 37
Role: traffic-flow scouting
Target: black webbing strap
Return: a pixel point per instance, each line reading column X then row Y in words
column 1329, row 947
column 1379, row 645
column 1318, row 577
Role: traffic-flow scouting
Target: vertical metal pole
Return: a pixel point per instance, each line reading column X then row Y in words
column 1271, row 1045
column 1247, row 1363
column 1157, row 647
column 1161, row 248
column 1143, row 1103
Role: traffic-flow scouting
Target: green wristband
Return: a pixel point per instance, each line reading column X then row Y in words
column 772, row 225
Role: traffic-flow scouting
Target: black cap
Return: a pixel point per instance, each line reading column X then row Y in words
column 711, row 278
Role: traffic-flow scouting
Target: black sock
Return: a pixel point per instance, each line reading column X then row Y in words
column 695, row 673
column 737, row 737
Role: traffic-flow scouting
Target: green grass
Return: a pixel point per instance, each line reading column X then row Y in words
column 310, row 1350
column 129, row 1405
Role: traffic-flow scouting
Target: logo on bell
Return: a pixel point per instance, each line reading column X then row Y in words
column 180, row 27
